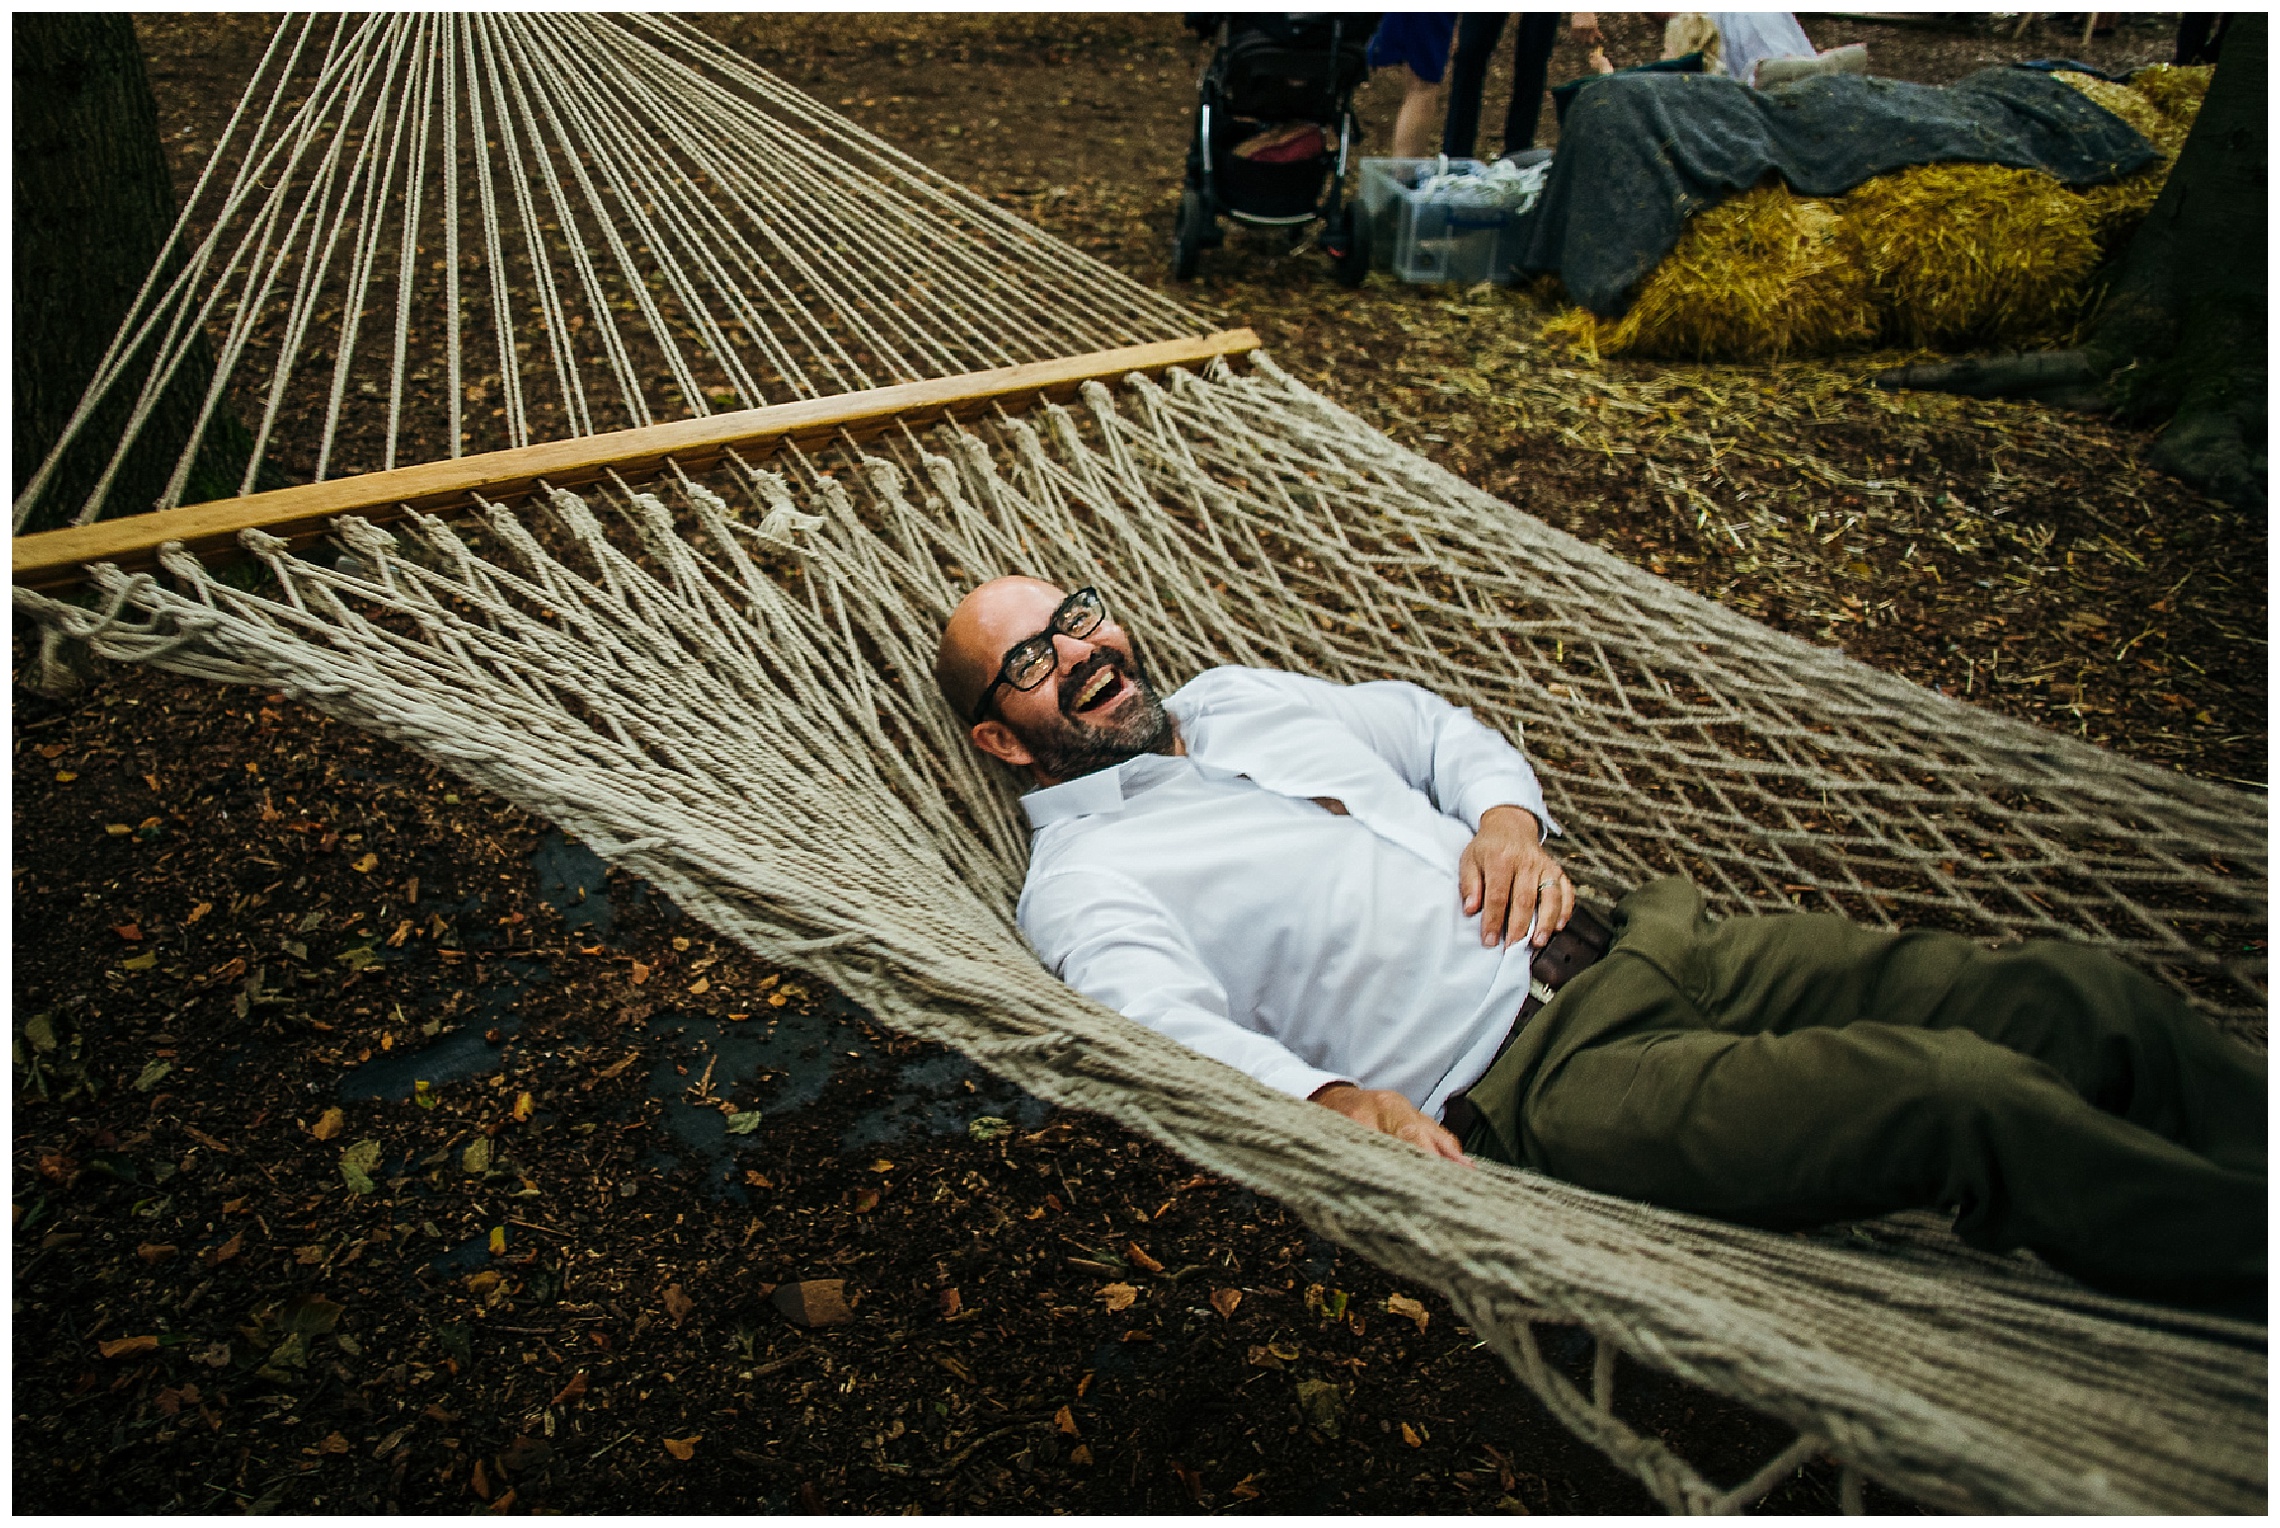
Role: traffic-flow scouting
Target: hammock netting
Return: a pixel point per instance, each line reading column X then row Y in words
column 720, row 680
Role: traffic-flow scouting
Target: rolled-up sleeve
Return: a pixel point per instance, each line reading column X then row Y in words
column 1113, row 941
column 1440, row 749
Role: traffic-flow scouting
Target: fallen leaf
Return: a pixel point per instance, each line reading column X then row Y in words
column 505, row 1501
column 1243, row 1490
column 1137, row 1335
column 476, row 1159
column 130, row 932
column 684, row 1448
column 226, row 1250
column 744, row 1122
column 1141, row 1259
column 334, row 1444
column 866, row 1200
column 329, row 1124
column 310, row 1255
column 1081, row 1454
column 52, row 751
column 640, row 975
column 525, row 1454
column 392, row 1442
column 1118, row 1297
column 1260, row 1357
column 1224, row 1301
column 987, row 1127
column 127, row 1347
column 1409, row 1436
column 571, row 1391
column 423, row 1093
column 1410, row 1310
column 755, row 1177
column 1065, row 1421
column 1321, row 1405
column 364, row 866
column 142, row 962
column 155, row 1253
column 498, row 1241
column 948, row 1302
column 198, row 912
column 357, row 1164
column 485, row 1282
column 204, row 1139
column 955, row 1367
column 525, row 1107
column 479, row 1482
column 678, row 1305
column 700, row 986
column 618, row 1065
column 117, row 829
column 813, row 1302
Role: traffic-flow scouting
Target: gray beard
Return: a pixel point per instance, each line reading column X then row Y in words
column 1067, row 747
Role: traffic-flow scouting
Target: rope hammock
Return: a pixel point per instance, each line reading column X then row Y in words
column 718, row 677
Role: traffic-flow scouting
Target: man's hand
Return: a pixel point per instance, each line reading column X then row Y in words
column 1504, row 873
column 1388, row 1113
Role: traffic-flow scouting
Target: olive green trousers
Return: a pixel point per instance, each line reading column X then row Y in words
column 1794, row 1070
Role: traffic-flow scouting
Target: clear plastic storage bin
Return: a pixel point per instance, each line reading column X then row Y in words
column 1437, row 236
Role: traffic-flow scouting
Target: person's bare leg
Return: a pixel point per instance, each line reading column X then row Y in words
column 1418, row 122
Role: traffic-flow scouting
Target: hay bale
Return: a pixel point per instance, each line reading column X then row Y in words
column 1760, row 276
column 2118, row 207
column 2175, row 93
column 1931, row 255
column 1973, row 253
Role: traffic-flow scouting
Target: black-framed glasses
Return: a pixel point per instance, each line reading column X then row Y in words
column 1030, row 661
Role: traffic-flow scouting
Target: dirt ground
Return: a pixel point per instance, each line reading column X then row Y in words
column 259, row 1266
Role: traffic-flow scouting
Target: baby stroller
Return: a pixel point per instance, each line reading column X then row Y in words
column 1274, row 121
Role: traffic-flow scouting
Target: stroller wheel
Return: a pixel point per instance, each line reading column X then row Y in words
column 1188, row 236
column 1346, row 241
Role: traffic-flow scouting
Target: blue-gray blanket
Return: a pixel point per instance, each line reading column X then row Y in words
column 1641, row 153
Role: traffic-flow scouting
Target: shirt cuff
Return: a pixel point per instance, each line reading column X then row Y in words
column 1298, row 1079
column 1513, row 790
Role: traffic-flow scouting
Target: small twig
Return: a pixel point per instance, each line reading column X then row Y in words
column 770, row 1367
column 605, row 1448
column 532, row 1225
column 950, row 1465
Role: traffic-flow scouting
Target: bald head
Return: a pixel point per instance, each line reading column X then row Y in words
column 986, row 623
column 1091, row 708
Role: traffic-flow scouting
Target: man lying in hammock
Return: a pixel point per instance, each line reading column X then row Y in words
column 1341, row 890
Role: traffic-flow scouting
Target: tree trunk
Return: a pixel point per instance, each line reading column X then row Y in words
column 2180, row 336
column 94, row 205
column 2183, row 331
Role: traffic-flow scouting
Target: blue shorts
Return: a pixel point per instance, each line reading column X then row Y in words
column 1419, row 39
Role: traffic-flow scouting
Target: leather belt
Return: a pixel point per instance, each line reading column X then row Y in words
column 1567, row 953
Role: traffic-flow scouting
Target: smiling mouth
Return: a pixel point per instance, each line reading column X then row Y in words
column 1095, row 690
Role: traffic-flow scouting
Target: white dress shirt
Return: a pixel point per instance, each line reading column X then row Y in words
column 1210, row 898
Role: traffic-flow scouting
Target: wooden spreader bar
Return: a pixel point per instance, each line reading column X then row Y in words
column 52, row 560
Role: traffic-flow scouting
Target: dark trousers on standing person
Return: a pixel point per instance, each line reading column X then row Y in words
column 1477, row 34
column 1794, row 1070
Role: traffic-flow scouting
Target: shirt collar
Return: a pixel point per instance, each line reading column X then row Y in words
column 1102, row 791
